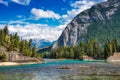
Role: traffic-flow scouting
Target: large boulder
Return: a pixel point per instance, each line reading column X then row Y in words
column 114, row 58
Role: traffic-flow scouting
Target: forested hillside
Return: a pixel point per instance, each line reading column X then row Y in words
column 107, row 29
column 12, row 42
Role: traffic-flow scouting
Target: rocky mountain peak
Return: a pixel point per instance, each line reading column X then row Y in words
column 77, row 29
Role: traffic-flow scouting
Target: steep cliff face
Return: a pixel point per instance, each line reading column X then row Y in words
column 78, row 28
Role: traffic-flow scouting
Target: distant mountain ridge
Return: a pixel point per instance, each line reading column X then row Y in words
column 101, row 21
column 42, row 43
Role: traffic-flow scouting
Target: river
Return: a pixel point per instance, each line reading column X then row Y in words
column 98, row 70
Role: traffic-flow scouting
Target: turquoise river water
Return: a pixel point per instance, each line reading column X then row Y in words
column 50, row 71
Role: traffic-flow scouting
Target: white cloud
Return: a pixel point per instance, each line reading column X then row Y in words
column 36, row 31
column 39, row 13
column 85, row 3
column 4, row 2
column 22, row 2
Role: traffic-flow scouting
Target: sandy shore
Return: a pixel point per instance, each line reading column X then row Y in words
column 16, row 63
column 8, row 63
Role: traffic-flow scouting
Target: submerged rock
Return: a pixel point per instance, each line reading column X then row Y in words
column 65, row 67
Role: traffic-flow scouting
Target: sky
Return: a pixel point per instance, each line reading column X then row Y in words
column 40, row 19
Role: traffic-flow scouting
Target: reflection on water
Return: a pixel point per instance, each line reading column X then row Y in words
column 42, row 76
column 48, row 71
column 94, row 78
column 16, row 76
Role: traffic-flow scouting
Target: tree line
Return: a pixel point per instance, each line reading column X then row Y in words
column 91, row 48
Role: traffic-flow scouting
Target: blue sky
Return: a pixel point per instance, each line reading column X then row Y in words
column 41, row 19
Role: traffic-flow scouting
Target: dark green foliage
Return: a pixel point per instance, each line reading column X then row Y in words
column 62, row 52
column 33, row 52
column 110, row 48
column 3, row 56
column 6, row 30
column 89, row 47
column 2, row 36
column 30, row 43
column 96, row 49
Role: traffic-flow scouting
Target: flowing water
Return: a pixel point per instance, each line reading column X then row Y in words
column 49, row 71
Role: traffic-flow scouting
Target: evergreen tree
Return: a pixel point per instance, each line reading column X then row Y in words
column 114, row 45
column 7, row 39
column 6, row 30
column 66, row 54
column 96, row 49
column 89, row 47
column 30, row 43
column 33, row 52
column 71, row 54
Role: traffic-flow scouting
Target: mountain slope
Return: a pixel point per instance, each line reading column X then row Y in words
column 101, row 21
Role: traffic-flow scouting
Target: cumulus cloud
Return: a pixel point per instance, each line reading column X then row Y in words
column 4, row 2
column 36, row 31
column 39, row 13
column 22, row 2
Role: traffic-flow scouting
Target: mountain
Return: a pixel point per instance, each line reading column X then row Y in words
column 101, row 21
column 44, row 49
column 42, row 43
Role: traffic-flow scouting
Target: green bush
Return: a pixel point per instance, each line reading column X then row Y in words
column 3, row 57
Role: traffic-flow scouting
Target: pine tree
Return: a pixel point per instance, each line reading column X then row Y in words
column 30, row 43
column 106, row 52
column 6, row 30
column 22, row 46
column 96, row 49
column 33, row 52
column 71, row 53
column 114, row 45
column 89, row 47
column 7, row 39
